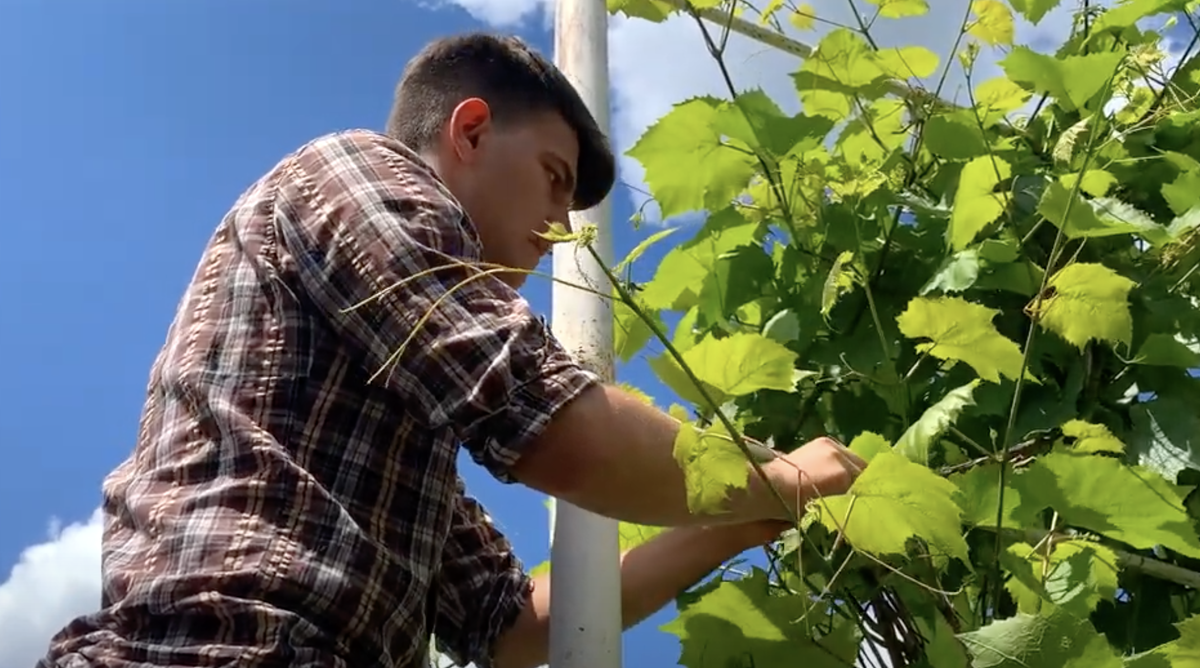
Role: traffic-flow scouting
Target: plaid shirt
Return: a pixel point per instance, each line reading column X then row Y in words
column 283, row 508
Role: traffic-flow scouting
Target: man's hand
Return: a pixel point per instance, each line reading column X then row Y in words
column 821, row 467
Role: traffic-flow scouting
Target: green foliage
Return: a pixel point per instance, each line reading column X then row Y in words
column 992, row 298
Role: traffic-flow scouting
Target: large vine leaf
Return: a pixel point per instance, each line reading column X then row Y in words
column 681, row 276
column 895, row 500
column 1054, row 639
column 717, row 173
column 1131, row 504
column 743, row 618
column 977, row 202
column 963, row 331
column 712, row 466
column 1072, row 80
column 1075, row 575
column 729, row 367
column 1088, row 301
column 979, row 497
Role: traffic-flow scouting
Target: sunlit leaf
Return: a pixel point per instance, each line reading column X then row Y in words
column 1088, row 302
column 978, row 202
column 686, row 136
column 963, row 331
column 895, row 500
column 1072, row 80
column 992, row 22
column 896, row 9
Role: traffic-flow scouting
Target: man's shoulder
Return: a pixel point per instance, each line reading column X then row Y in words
column 359, row 145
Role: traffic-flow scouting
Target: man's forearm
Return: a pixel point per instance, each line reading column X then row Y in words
column 652, row 575
column 612, row 454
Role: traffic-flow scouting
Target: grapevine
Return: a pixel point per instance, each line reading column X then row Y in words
column 993, row 299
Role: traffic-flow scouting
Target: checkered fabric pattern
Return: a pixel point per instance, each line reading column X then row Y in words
column 287, row 506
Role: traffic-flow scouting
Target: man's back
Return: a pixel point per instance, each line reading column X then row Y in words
column 286, row 505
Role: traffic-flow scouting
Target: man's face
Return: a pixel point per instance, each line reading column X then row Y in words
column 513, row 179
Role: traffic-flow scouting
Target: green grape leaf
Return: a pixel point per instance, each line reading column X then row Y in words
column 868, row 444
column 999, row 95
column 1076, row 217
column 1096, row 182
column 1072, row 80
column 1076, row 576
column 1092, row 438
column 783, row 327
column 956, row 273
column 667, row 369
column 742, row 363
column 1131, row 504
column 1167, row 434
column 898, row 9
column 754, row 119
column 955, row 135
column 993, row 22
column 804, row 18
column 1053, row 639
column 979, row 495
column 1167, row 350
column 654, row 11
column 916, row 441
column 895, row 500
column 681, row 275
column 712, row 465
column 742, row 618
column 841, row 280
column 977, row 204
column 1088, row 301
column 907, row 61
column 960, row 330
column 641, row 248
column 1184, row 651
column 630, row 332
column 841, row 67
column 1034, row 10
column 1130, row 12
column 685, row 136
column 738, row 277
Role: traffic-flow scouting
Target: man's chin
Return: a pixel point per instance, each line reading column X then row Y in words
column 513, row 279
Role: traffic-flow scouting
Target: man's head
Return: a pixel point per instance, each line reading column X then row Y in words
column 508, row 134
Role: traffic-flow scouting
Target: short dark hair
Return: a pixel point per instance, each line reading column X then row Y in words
column 515, row 81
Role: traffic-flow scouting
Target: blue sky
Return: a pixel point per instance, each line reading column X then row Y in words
column 127, row 128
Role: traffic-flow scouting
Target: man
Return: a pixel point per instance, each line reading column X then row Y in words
column 293, row 498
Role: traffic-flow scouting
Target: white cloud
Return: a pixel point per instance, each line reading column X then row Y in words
column 51, row 584
column 653, row 66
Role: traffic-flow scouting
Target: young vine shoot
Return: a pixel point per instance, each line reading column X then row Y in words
column 991, row 296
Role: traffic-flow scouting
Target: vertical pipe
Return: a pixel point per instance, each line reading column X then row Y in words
column 585, row 588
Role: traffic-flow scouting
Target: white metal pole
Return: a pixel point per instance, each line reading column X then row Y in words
column 585, row 587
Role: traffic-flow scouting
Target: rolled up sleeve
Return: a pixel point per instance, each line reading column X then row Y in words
column 482, row 586
column 384, row 252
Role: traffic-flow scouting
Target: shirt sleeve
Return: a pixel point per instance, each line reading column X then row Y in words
column 379, row 245
column 482, row 586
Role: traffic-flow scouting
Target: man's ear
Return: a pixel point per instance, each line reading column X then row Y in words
column 469, row 125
